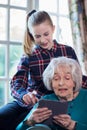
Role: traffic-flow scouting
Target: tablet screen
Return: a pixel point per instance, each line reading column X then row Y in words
column 57, row 107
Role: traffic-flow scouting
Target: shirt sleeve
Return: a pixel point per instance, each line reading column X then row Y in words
column 32, row 110
column 73, row 53
column 22, row 125
column 19, row 82
column 80, row 126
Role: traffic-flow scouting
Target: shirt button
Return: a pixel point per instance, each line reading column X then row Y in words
column 71, row 105
column 69, row 114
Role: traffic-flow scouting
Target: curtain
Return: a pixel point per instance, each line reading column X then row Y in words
column 78, row 19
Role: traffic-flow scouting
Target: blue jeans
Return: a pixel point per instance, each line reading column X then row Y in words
column 11, row 115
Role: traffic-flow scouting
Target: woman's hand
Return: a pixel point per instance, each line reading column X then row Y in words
column 65, row 121
column 39, row 115
column 30, row 98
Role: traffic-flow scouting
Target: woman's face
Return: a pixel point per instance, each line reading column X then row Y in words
column 43, row 35
column 63, row 83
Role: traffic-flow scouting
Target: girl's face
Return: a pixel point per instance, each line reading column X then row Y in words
column 63, row 83
column 43, row 35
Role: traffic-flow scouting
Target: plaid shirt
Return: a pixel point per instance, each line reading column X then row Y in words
column 30, row 69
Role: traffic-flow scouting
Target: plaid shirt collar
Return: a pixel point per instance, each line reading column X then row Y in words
column 54, row 47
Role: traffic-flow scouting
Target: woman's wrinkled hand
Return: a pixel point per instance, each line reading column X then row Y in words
column 64, row 121
column 40, row 114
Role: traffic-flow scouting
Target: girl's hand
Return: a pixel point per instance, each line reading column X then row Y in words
column 30, row 98
column 40, row 114
column 65, row 121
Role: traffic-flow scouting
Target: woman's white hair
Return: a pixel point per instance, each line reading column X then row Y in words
column 76, row 71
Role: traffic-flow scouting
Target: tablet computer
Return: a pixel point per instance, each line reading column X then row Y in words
column 57, row 108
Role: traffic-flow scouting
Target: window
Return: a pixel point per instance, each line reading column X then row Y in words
column 11, row 38
column 59, row 12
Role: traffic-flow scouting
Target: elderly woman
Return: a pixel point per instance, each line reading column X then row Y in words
column 63, row 76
